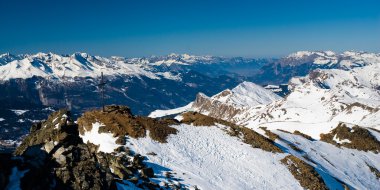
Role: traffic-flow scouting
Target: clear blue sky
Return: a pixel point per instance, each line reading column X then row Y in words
column 264, row 28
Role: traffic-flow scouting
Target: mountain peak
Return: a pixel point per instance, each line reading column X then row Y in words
column 303, row 54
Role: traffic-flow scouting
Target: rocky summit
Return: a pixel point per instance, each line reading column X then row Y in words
column 54, row 156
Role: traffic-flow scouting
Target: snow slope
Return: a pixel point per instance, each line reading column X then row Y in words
column 246, row 94
column 211, row 159
column 206, row 156
column 347, row 165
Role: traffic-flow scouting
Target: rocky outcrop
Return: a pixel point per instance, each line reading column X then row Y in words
column 55, row 153
column 215, row 108
column 304, row 173
column 355, row 138
column 119, row 121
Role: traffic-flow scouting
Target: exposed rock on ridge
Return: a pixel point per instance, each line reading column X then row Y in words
column 55, row 153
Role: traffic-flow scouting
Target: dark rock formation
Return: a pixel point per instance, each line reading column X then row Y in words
column 53, row 156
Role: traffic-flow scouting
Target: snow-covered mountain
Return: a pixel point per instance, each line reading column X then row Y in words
column 50, row 65
column 324, row 134
column 44, row 80
column 193, row 152
column 330, row 119
column 61, row 67
column 326, row 97
column 7, row 57
column 302, row 62
column 47, row 80
column 345, row 60
column 226, row 104
column 319, row 101
column 246, row 94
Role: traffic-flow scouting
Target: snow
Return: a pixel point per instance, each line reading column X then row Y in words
column 249, row 94
column 320, row 102
column 271, row 86
column 19, row 112
column 316, row 105
column 211, row 159
column 10, row 142
column 67, row 67
column 246, row 94
column 55, row 119
column 15, row 179
column 300, row 54
column 376, row 134
column 105, row 141
column 163, row 113
column 20, row 69
column 347, row 165
column 340, row 141
column 345, row 60
column 170, row 76
column 179, row 117
column 312, row 129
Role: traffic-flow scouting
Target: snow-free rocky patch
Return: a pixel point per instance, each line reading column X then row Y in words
column 355, row 138
column 119, row 121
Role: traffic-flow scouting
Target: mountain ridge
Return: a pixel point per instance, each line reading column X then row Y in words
column 84, row 65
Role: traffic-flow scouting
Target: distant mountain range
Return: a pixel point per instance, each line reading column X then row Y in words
column 302, row 62
column 81, row 65
column 310, row 120
column 46, row 81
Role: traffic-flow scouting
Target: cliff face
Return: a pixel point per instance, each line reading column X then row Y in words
column 216, row 108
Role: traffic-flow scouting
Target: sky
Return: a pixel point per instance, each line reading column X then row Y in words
column 136, row 28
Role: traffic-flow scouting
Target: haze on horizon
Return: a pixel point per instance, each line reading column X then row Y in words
column 225, row 28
